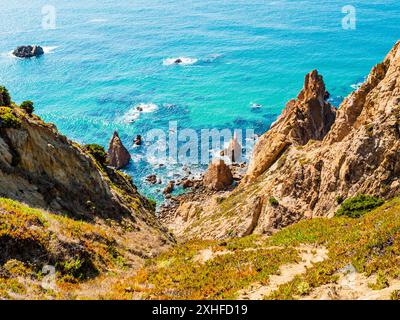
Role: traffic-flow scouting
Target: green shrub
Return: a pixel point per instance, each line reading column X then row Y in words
column 8, row 119
column 303, row 288
column 153, row 203
column 359, row 205
column 97, row 152
column 27, row 106
column 381, row 283
column 395, row 295
column 5, row 99
column 273, row 201
column 78, row 268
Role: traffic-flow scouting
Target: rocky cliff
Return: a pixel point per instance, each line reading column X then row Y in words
column 43, row 169
column 309, row 117
column 312, row 158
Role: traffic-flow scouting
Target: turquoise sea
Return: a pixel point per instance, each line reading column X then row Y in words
column 106, row 57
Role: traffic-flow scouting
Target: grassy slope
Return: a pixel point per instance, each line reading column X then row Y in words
column 82, row 251
column 32, row 238
column 370, row 243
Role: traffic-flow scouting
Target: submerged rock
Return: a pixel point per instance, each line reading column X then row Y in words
column 28, row 51
column 218, row 176
column 118, row 155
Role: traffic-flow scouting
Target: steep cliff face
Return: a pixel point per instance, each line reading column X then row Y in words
column 309, row 161
column 42, row 168
column 309, row 117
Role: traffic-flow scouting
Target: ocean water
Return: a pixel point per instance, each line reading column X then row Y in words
column 104, row 58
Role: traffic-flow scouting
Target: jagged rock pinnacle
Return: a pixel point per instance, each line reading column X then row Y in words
column 118, row 155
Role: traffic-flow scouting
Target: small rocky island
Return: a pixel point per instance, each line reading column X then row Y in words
column 28, row 51
column 118, row 155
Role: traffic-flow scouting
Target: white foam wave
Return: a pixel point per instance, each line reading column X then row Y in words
column 133, row 114
column 48, row 50
column 184, row 61
column 8, row 54
column 99, row 20
column 256, row 105
column 212, row 57
column 356, row 86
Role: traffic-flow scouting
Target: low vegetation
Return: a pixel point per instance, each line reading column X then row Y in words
column 198, row 269
column 30, row 239
column 395, row 295
column 5, row 99
column 185, row 272
column 273, row 201
column 357, row 206
column 8, row 119
column 370, row 244
column 27, row 106
column 98, row 152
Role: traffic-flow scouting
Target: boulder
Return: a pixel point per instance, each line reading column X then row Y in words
column 28, row 51
column 118, row 155
column 152, row 179
column 187, row 184
column 169, row 188
column 138, row 140
column 218, row 176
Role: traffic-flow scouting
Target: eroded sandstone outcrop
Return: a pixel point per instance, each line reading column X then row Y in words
column 218, row 176
column 118, row 155
column 309, row 117
column 234, row 150
column 308, row 160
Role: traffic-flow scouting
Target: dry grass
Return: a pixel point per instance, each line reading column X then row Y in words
column 32, row 238
column 90, row 261
column 371, row 244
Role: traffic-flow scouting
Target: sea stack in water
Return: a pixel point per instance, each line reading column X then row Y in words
column 118, row 155
column 218, row 176
column 28, row 51
column 234, row 150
